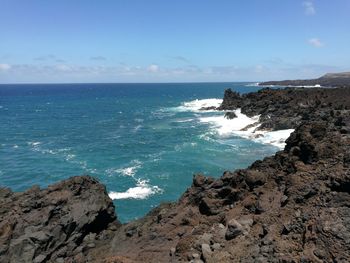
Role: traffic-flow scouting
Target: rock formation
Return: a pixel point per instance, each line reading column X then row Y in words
column 290, row 207
column 56, row 224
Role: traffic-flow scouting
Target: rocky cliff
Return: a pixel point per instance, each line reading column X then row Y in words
column 290, row 207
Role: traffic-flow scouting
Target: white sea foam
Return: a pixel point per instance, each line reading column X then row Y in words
column 142, row 190
column 225, row 128
column 276, row 138
column 184, row 120
column 70, row 157
column 129, row 171
column 126, row 171
column 137, row 127
column 34, row 143
column 256, row 84
column 293, row 86
column 196, row 105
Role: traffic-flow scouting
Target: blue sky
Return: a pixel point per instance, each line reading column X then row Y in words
column 172, row 41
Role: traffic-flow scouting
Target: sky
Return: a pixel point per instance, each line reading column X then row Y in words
column 172, row 41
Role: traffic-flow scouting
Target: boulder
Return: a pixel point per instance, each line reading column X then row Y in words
column 36, row 224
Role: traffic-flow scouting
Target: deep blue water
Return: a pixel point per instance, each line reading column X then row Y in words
column 140, row 140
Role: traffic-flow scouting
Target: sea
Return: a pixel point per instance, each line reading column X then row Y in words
column 143, row 141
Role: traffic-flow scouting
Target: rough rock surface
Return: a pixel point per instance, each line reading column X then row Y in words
column 290, row 207
column 287, row 108
column 57, row 224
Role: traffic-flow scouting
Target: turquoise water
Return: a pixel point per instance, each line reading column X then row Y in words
column 140, row 140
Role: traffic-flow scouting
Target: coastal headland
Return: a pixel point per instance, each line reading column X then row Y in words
column 293, row 206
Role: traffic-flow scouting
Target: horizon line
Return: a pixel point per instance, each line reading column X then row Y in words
column 79, row 83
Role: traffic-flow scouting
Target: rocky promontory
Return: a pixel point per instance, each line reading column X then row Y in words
column 290, row 207
column 327, row 80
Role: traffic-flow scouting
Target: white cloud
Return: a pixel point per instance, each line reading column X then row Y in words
column 69, row 73
column 315, row 42
column 153, row 68
column 309, row 8
column 4, row 67
column 63, row 68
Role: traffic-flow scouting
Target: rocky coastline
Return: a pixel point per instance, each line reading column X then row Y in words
column 290, row 207
column 328, row 80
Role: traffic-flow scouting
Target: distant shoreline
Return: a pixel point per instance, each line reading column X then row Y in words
column 328, row 80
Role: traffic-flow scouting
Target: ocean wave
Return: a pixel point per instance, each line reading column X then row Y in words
column 125, row 171
column 183, row 120
column 196, row 105
column 65, row 154
column 142, row 190
column 34, row 143
column 292, row 86
column 276, row 138
column 137, row 127
column 225, row 128
column 256, row 84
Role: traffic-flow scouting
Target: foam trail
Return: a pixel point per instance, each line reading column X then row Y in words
column 224, row 127
column 196, row 105
column 125, row 171
column 256, row 84
column 142, row 190
column 34, row 143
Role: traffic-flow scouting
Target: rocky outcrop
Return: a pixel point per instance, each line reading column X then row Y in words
column 290, row 207
column 57, row 224
column 328, row 80
column 286, row 108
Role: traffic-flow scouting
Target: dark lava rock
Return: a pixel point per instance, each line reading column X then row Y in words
column 208, row 108
column 37, row 224
column 230, row 115
column 286, row 108
column 232, row 100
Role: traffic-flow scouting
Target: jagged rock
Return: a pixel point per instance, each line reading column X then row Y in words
column 209, row 206
column 34, row 225
column 230, row 115
column 208, row 108
column 232, row 100
column 234, row 229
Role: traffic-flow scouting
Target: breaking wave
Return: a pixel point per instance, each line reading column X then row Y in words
column 142, row 190
column 246, row 127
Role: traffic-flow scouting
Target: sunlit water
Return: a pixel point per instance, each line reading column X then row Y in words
column 143, row 141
